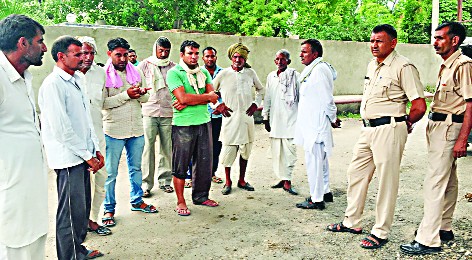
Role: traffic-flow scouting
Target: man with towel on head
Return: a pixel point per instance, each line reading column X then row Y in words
column 237, row 132
column 157, row 118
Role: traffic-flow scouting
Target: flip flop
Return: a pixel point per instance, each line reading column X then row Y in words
column 167, row 188
column 339, row 227
column 188, row 184
column 91, row 254
column 143, row 207
column 208, row 203
column 101, row 231
column 182, row 212
column 109, row 219
column 216, row 179
column 374, row 242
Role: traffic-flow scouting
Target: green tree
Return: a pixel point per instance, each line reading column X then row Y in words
column 250, row 17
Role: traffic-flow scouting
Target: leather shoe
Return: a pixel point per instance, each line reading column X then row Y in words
column 443, row 235
column 415, row 248
column 291, row 191
column 247, row 186
column 278, row 185
column 328, row 197
column 226, row 190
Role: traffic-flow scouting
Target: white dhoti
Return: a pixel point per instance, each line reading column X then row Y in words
column 33, row 251
column 317, row 170
column 284, row 157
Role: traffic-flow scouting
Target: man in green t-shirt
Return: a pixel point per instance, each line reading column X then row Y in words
column 191, row 91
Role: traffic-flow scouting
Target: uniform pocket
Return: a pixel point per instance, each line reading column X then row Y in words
column 452, row 132
column 383, row 87
column 445, row 92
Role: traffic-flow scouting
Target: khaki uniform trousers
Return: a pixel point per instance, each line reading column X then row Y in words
column 378, row 148
column 153, row 127
column 440, row 184
column 33, row 251
column 97, row 184
column 284, row 157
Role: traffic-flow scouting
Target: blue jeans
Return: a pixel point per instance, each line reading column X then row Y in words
column 134, row 150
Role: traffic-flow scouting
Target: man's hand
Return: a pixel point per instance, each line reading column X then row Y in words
column 337, row 123
column 222, row 109
column 266, row 125
column 212, row 97
column 460, row 149
column 143, row 91
column 178, row 106
column 134, row 92
column 101, row 159
column 409, row 126
column 250, row 111
column 94, row 164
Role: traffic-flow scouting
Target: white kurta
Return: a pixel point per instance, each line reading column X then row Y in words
column 23, row 172
column 94, row 83
column 236, row 92
column 282, row 117
column 316, row 109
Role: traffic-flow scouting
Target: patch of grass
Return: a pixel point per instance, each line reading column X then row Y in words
column 349, row 115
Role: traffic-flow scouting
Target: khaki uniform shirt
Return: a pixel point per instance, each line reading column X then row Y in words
column 388, row 86
column 454, row 85
column 122, row 116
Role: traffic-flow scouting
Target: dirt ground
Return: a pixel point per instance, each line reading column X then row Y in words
column 265, row 223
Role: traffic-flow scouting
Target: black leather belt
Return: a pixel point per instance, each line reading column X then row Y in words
column 442, row 117
column 382, row 121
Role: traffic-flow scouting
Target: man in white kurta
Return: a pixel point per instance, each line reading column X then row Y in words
column 237, row 132
column 316, row 116
column 23, row 172
column 280, row 116
column 93, row 79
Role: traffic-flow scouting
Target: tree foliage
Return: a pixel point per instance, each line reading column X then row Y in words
column 347, row 20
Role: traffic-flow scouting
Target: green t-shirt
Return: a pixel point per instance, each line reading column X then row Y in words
column 191, row 115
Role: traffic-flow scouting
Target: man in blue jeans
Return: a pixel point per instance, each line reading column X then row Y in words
column 123, row 126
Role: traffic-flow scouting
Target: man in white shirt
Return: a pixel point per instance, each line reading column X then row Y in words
column 72, row 148
column 280, row 116
column 23, row 181
column 93, row 79
column 316, row 116
column 237, row 132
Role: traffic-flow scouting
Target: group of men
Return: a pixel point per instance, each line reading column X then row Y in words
column 89, row 114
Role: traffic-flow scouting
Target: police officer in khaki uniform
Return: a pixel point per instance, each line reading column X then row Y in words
column 448, row 128
column 391, row 81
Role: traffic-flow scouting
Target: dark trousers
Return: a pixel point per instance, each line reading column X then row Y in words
column 73, row 210
column 215, row 130
column 193, row 143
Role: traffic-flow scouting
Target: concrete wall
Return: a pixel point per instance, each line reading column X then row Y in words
column 349, row 58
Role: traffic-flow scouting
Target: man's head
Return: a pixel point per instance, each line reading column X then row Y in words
column 238, row 54
column 162, row 46
column 282, row 59
column 25, row 35
column 89, row 50
column 448, row 37
column 67, row 53
column 310, row 50
column 189, row 53
column 132, row 56
column 383, row 41
column 209, row 57
column 118, row 49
